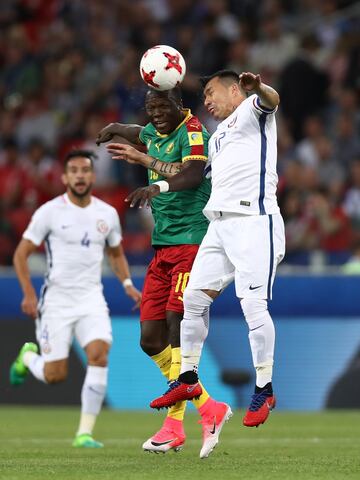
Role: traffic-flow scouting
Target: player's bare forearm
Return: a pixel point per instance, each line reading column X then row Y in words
column 268, row 96
column 130, row 132
column 21, row 255
column 118, row 262
column 190, row 176
column 120, row 267
column 165, row 169
column 120, row 151
column 20, row 260
column 249, row 82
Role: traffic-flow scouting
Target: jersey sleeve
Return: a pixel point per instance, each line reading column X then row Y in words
column 39, row 226
column 144, row 134
column 194, row 141
column 255, row 105
column 114, row 236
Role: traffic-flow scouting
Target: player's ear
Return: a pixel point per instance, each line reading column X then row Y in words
column 240, row 90
column 64, row 179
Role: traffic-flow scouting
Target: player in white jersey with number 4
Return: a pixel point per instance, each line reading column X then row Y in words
column 245, row 240
column 76, row 229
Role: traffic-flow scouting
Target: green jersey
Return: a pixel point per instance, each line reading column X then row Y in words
column 178, row 215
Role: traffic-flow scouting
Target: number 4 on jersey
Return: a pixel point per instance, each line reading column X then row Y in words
column 85, row 241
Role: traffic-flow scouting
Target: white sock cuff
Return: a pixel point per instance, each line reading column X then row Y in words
column 36, row 367
column 96, row 375
column 28, row 356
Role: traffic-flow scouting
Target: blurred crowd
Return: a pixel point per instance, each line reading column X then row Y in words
column 69, row 67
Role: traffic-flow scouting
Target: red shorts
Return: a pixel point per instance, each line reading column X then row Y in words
column 165, row 281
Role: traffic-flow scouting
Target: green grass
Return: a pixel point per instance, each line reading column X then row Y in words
column 35, row 444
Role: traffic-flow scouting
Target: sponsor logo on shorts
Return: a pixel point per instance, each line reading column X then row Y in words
column 254, row 288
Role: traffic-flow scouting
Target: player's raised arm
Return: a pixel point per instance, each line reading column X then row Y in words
column 130, row 132
column 120, row 267
column 190, row 177
column 249, row 82
column 21, row 255
column 121, row 151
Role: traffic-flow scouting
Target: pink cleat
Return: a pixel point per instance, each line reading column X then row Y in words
column 214, row 415
column 171, row 436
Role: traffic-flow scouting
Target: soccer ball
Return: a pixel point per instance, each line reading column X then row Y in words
column 162, row 67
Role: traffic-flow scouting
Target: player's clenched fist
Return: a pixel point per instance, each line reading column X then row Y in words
column 106, row 134
column 249, row 81
column 29, row 305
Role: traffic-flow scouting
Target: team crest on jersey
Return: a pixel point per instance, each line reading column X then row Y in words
column 170, row 148
column 102, row 226
column 232, row 123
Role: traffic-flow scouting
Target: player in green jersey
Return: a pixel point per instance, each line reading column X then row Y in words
column 176, row 142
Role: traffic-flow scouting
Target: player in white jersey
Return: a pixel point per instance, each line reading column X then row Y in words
column 76, row 228
column 245, row 240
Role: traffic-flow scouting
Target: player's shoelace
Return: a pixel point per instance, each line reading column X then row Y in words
column 258, row 400
column 172, row 384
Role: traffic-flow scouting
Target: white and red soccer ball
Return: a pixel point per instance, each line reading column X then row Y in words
column 162, row 67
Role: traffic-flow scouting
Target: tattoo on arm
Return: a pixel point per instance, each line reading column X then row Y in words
column 164, row 168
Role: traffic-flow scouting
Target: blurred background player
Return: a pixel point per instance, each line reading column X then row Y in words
column 245, row 241
column 76, row 229
column 175, row 140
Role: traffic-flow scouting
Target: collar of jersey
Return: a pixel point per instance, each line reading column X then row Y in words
column 68, row 201
column 188, row 114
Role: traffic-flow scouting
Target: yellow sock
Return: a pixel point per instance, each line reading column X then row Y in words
column 202, row 399
column 163, row 361
column 175, row 363
column 177, row 411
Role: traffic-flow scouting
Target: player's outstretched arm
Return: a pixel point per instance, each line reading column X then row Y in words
column 130, row 132
column 120, row 267
column 249, row 82
column 190, row 177
column 121, row 151
column 21, row 255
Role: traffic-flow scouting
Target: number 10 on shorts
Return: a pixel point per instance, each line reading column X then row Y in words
column 181, row 283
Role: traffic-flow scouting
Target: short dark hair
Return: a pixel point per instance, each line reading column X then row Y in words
column 227, row 75
column 174, row 94
column 80, row 153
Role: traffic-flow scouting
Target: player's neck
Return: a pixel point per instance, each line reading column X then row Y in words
column 81, row 202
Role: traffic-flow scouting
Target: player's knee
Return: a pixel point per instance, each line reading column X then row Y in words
column 151, row 345
column 255, row 311
column 98, row 359
column 195, row 301
column 55, row 375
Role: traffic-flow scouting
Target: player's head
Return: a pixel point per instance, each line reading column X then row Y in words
column 164, row 109
column 222, row 93
column 79, row 175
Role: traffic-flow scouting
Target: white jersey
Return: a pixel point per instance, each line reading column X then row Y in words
column 75, row 239
column 243, row 156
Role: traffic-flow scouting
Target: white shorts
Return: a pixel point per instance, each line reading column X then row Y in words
column 243, row 248
column 55, row 332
